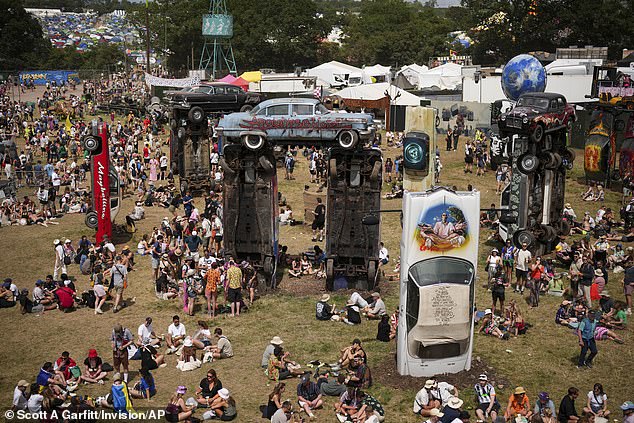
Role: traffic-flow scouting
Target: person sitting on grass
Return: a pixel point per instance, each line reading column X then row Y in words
column 55, row 381
column 325, row 311
column 332, row 387
column 208, row 389
column 360, row 375
column 306, row 266
column 280, row 367
column 177, row 410
column 377, row 308
column 296, row 269
column 352, row 314
column 348, row 404
column 175, row 335
column 92, row 365
column 488, row 405
column 150, row 358
column 348, row 354
column 597, row 404
column 518, row 405
column 490, row 327
column 563, row 313
column 275, row 401
column 308, row 396
column 371, row 410
column 202, row 338
column 146, row 388
column 268, row 351
column 223, row 348
column 567, row 409
column 223, row 407
column 620, row 316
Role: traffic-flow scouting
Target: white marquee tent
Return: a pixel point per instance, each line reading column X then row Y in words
column 337, row 74
column 412, row 73
column 378, row 91
column 443, row 77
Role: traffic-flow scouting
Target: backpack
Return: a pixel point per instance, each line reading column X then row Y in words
column 89, row 298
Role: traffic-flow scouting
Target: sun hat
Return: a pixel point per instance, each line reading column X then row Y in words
column 544, row 396
column 598, row 272
column 495, row 250
column 487, row 311
column 188, row 342
column 224, row 393
column 23, row 383
column 483, row 377
column 276, row 340
column 67, row 241
column 57, row 241
column 566, row 302
column 519, row 390
column 194, row 233
column 116, row 376
column 181, row 389
column 434, row 412
column 429, row 383
column 455, row 403
column 325, row 298
column 376, row 294
column 92, row 353
column 627, row 405
column 567, row 205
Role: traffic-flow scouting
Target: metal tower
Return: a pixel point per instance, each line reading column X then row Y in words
column 217, row 29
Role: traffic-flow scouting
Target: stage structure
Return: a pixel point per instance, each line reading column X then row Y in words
column 217, row 28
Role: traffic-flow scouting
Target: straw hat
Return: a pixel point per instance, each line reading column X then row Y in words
column 519, row 390
column 434, row 412
column 429, row 383
column 325, row 298
column 224, row 393
column 598, row 272
column 276, row 340
column 188, row 342
column 455, row 403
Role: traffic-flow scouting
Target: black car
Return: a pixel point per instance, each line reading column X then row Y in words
column 214, row 97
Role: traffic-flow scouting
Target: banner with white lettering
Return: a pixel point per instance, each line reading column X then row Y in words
column 156, row 81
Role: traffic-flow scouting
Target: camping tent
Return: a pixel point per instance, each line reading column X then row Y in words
column 378, row 73
column 443, row 77
column 337, row 74
column 378, row 91
column 412, row 73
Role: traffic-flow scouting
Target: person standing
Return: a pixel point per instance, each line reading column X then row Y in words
column 60, row 266
column 319, row 220
column 628, row 288
column 119, row 274
column 121, row 339
column 522, row 259
column 587, row 276
column 586, row 340
column 234, row 275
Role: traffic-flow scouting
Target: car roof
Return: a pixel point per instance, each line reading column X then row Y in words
column 295, row 100
column 543, row 95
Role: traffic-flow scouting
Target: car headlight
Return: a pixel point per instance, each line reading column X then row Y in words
column 503, row 118
column 525, row 120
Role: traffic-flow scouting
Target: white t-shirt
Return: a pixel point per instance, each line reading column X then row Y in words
column 383, row 254
column 35, row 403
column 19, row 400
column 523, row 258
column 176, row 330
column 145, row 333
column 597, row 401
column 59, row 250
column 163, row 161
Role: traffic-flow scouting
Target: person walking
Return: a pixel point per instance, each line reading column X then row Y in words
column 234, row 275
column 119, row 274
column 60, row 266
column 586, row 340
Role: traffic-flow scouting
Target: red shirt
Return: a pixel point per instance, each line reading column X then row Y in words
column 66, row 297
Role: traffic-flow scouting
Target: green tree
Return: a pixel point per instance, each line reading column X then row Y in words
column 22, row 42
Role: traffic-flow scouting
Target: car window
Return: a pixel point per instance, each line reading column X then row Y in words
column 277, row 110
column 561, row 103
column 553, row 104
column 302, row 109
column 537, row 102
column 204, row 90
column 219, row 90
column 233, row 90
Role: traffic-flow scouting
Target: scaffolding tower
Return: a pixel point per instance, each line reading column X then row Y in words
column 217, row 29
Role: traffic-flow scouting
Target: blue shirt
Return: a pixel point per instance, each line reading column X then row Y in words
column 148, row 384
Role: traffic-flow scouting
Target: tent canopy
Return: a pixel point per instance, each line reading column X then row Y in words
column 252, row 76
column 228, row 79
column 378, row 91
column 337, row 74
column 443, row 77
column 242, row 83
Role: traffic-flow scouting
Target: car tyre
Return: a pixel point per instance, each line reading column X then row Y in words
column 332, row 172
column 92, row 220
column 348, row 139
column 253, row 141
column 522, row 237
column 196, row 114
column 268, row 265
column 371, row 275
column 538, row 133
column 330, row 274
column 92, row 144
column 266, row 164
column 225, row 167
column 246, row 108
column 528, row 163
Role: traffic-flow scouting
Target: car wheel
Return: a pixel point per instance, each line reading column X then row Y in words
column 371, row 275
column 538, row 133
column 332, row 172
column 558, row 161
column 266, row 164
column 348, row 139
column 523, row 237
column 330, row 274
column 528, row 163
column 225, row 167
column 253, row 141
column 548, row 233
column 196, row 114
column 92, row 220
column 268, row 265
column 548, row 160
column 91, row 144
column 246, row 108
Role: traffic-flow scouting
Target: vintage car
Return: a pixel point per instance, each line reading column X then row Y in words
column 297, row 121
column 213, row 97
column 536, row 114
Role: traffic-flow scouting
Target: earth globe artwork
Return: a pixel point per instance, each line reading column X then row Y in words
column 523, row 74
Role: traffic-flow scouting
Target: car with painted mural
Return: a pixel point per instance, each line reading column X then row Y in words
column 212, row 97
column 599, row 153
column 297, row 120
column 537, row 114
column 626, row 155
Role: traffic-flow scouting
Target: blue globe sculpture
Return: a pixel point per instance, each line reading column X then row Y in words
column 523, row 74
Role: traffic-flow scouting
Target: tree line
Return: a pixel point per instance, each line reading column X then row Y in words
column 286, row 34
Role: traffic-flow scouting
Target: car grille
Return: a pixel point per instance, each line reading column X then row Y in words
column 514, row 122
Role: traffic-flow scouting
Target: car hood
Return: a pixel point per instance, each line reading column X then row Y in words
column 524, row 111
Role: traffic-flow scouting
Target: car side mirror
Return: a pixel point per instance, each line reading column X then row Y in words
column 370, row 220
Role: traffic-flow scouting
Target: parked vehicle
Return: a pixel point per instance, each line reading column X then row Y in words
column 215, row 97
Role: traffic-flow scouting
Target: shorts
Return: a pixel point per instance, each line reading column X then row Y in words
column 385, row 261
column 600, row 333
column 628, row 289
column 317, row 224
column 521, row 273
column 120, row 360
column 206, row 342
column 468, row 160
column 117, row 289
column 508, row 263
column 155, row 263
column 485, row 406
column 218, row 238
column 153, row 366
column 497, row 294
column 234, row 295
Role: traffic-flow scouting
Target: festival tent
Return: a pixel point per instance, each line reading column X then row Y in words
column 373, row 92
column 229, row 79
column 412, row 73
column 337, row 74
column 242, row 83
column 443, row 77
column 378, row 73
column 252, row 76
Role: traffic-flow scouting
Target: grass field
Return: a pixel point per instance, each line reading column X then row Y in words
column 544, row 359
